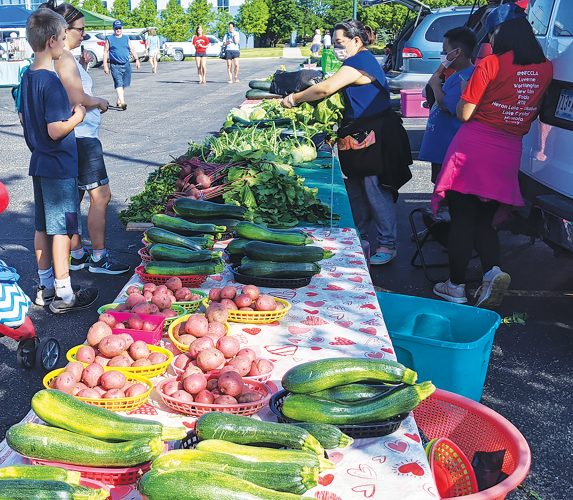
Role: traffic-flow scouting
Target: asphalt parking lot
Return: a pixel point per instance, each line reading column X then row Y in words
column 530, row 374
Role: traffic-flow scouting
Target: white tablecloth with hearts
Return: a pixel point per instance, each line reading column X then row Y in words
column 336, row 315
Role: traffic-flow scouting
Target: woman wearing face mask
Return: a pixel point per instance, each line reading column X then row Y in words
column 481, row 165
column 373, row 146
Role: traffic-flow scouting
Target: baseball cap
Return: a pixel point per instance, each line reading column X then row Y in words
column 502, row 14
column 117, row 24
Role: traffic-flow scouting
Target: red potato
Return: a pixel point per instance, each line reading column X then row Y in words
column 101, row 360
column 197, row 325
column 191, row 370
column 119, row 362
column 148, row 296
column 260, row 367
column 243, row 301
column 133, row 300
column 90, row 393
column 229, row 304
column 195, row 383
column 133, row 289
column 225, row 400
column 134, row 322
column 108, row 319
column 279, row 306
column 78, row 387
column 216, row 392
column 183, row 294
column 112, row 345
column 114, row 394
column 161, row 300
column 91, row 374
column 215, row 294
column 99, row 390
column 181, row 361
column 265, row 303
column 193, row 297
column 156, row 358
column 172, row 387
column 153, row 309
column 121, row 308
column 112, row 380
column 120, row 326
column 65, row 382
column 173, row 284
column 186, row 339
column 149, row 287
column 162, row 289
column 136, row 390
column 228, row 368
column 205, row 397
column 148, row 326
column 212, row 384
column 248, row 353
column 252, row 291
column 228, row 292
column 230, row 383
column 229, row 346
column 128, row 339
column 217, row 330
column 76, row 369
column 216, row 312
column 246, row 309
column 182, row 396
column 143, row 308
column 127, row 385
column 141, row 362
column 86, row 354
column 242, row 364
column 249, row 397
column 210, row 359
column 199, row 345
column 169, row 313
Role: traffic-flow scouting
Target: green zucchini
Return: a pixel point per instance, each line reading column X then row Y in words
column 59, row 445
column 159, row 235
column 288, row 477
column 323, row 374
column 329, row 436
column 171, row 268
column 260, row 85
column 187, row 207
column 62, row 410
column 230, row 224
column 201, row 484
column 301, row 457
column 269, row 269
column 251, row 231
column 246, row 430
column 162, row 251
column 304, row 407
column 351, row 393
column 184, row 227
column 42, row 472
column 262, row 250
column 37, row 489
column 256, row 94
column 237, row 247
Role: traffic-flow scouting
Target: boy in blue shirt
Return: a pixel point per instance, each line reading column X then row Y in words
column 49, row 120
column 443, row 123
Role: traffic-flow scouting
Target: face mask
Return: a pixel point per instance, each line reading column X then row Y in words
column 446, row 63
column 340, row 52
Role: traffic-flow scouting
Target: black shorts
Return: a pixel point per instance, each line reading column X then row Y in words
column 202, row 54
column 232, row 54
column 91, row 166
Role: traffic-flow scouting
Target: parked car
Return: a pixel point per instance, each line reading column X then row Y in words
column 94, row 44
column 180, row 50
column 546, row 175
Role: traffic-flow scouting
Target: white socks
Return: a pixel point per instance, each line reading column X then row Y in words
column 64, row 289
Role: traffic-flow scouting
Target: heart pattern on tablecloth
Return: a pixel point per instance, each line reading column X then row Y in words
column 252, row 331
column 326, row 479
column 326, row 495
column 145, row 409
column 335, row 456
column 368, row 306
column 314, row 321
column 413, row 468
column 314, row 303
column 282, row 350
column 342, row 341
column 413, row 437
column 343, row 324
column 380, row 459
column 355, row 279
column 397, row 446
column 311, row 294
column 333, row 288
column 363, row 471
column 311, row 311
column 299, row 330
column 374, row 355
column 367, row 490
column 369, row 330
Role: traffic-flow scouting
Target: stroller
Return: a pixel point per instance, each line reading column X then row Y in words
column 14, row 322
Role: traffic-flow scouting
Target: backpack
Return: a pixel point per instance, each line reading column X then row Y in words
column 17, row 90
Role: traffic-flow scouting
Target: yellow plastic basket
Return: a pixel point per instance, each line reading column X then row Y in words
column 174, row 336
column 141, row 371
column 120, row 404
column 192, row 306
column 257, row 317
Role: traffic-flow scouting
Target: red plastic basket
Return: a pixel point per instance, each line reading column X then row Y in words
column 159, row 279
column 92, row 483
column 198, row 409
column 144, row 254
column 475, row 427
column 452, row 470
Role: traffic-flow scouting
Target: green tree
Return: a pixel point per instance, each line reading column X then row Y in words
column 174, row 24
column 253, row 17
column 284, row 18
column 338, row 11
column 200, row 12
column 221, row 23
column 311, row 16
column 145, row 14
column 122, row 12
column 95, row 6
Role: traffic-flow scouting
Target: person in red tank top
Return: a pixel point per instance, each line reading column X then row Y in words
column 201, row 42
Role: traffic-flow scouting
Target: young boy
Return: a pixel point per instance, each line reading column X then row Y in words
column 49, row 121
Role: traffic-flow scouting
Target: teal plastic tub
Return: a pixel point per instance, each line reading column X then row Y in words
column 449, row 344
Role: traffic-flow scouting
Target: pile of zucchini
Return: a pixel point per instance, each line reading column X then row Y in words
column 273, row 253
column 233, row 460
column 345, row 391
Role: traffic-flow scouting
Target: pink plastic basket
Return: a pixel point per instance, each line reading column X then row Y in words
column 159, row 279
column 151, row 337
column 475, row 427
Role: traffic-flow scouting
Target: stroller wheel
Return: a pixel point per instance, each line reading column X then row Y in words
column 49, row 352
column 26, row 352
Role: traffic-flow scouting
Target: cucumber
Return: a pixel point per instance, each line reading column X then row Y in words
column 256, row 94
column 59, row 445
column 262, row 250
column 37, row 489
column 184, row 227
column 351, row 393
column 251, row 231
column 162, row 251
column 159, row 235
column 237, row 247
column 187, row 207
column 301, row 457
column 230, row 224
column 304, row 407
column 329, row 436
column 42, row 472
column 200, row 484
column 288, row 477
column 62, row 410
column 171, row 268
column 260, row 85
column 245, row 430
column 323, row 374
column 269, row 269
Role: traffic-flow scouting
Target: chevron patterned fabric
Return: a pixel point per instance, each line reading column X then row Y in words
column 14, row 303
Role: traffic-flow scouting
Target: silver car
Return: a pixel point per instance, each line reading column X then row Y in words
column 180, row 50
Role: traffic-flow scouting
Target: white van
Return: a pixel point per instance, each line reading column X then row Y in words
column 546, row 176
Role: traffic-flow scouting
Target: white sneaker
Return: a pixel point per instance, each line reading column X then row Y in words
column 450, row 292
column 494, row 285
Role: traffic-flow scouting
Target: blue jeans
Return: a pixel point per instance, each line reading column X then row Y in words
column 371, row 202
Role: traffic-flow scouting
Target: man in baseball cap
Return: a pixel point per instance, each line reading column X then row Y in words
column 117, row 25
column 502, row 14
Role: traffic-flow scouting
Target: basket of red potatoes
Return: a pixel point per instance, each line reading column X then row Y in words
column 119, row 351
column 247, row 304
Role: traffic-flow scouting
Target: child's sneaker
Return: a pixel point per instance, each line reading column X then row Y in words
column 83, row 298
column 106, row 265
column 44, row 296
column 450, row 292
column 494, row 285
column 81, row 263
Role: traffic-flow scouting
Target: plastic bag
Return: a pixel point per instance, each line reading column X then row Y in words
column 287, row 82
column 329, row 63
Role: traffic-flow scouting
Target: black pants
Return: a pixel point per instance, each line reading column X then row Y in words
column 471, row 227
